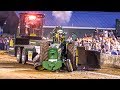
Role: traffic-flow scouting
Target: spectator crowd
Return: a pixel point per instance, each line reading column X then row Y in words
column 104, row 42
column 5, row 42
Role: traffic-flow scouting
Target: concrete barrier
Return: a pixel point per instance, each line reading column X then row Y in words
column 110, row 60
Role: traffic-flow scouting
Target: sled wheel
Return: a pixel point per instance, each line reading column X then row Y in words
column 19, row 55
column 24, row 58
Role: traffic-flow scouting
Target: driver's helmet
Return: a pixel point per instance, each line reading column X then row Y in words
column 60, row 31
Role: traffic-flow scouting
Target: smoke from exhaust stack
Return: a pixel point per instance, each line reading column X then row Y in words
column 62, row 16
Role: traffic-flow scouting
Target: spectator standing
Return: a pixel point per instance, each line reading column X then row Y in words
column 1, row 43
column 11, row 43
column 6, row 43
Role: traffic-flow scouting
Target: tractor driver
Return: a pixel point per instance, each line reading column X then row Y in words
column 57, row 37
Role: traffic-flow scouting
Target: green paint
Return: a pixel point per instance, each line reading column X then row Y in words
column 52, row 66
column 53, row 53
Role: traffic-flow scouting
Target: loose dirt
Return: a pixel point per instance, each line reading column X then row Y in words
column 10, row 69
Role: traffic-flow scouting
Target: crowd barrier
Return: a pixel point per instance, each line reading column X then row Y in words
column 110, row 60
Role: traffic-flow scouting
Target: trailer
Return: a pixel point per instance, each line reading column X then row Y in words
column 29, row 34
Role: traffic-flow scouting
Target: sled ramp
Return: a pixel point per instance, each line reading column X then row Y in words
column 88, row 58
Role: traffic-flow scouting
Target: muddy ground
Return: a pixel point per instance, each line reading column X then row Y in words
column 10, row 69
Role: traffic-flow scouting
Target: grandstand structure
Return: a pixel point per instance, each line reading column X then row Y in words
column 85, row 19
column 80, row 22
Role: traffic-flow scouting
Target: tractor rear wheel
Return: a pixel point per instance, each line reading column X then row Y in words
column 36, row 61
column 68, row 65
column 43, row 55
column 19, row 56
column 44, row 50
column 39, row 68
column 71, row 54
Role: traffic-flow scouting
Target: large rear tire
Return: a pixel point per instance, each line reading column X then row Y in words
column 68, row 65
column 19, row 56
column 44, row 50
column 36, row 61
column 71, row 54
column 42, row 56
column 39, row 68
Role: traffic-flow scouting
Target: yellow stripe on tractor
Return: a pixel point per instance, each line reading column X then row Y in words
column 76, row 56
column 32, row 34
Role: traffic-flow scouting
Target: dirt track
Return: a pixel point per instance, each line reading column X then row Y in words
column 10, row 69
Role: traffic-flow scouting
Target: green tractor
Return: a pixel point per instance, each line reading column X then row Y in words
column 59, row 54
column 54, row 61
